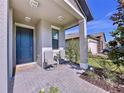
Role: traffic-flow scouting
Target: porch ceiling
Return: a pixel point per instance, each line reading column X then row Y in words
column 48, row 10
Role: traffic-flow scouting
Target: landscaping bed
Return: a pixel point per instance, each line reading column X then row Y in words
column 115, row 85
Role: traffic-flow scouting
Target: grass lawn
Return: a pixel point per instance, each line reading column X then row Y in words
column 96, row 61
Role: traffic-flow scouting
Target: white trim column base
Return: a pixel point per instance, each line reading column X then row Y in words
column 84, row 66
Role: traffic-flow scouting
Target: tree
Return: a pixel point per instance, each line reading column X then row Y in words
column 116, row 53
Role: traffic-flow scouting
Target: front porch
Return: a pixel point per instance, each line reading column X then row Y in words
column 32, row 79
column 32, row 25
column 39, row 15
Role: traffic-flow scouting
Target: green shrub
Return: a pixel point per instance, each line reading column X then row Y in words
column 51, row 90
column 91, row 74
column 90, row 53
column 42, row 91
column 54, row 90
column 111, row 77
column 72, row 51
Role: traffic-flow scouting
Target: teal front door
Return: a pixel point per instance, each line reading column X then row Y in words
column 24, row 45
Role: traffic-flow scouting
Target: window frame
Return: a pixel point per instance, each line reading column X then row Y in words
column 57, row 30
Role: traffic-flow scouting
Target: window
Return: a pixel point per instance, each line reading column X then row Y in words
column 55, row 39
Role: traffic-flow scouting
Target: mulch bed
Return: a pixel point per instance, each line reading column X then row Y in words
column 100, row 82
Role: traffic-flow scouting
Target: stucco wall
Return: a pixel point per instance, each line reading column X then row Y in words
column 3, row 46
column 61, row 39
column 38, row 42
column 44, row 39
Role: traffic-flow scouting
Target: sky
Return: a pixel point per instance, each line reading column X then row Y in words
column 101, row 11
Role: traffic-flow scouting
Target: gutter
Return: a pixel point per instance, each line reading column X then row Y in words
column 79, row 13
column 78, row 4
column 82, row 4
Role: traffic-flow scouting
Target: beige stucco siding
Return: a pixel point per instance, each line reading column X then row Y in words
column 39, row 42
column 92, row 46
column 3, row 46
column 44, row 39
column 61, row 39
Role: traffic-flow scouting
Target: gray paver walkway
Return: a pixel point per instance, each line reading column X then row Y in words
column 32, row 79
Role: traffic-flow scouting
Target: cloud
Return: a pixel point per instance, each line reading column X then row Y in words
column 102, row 25
column 109, row 14
column 95, row 26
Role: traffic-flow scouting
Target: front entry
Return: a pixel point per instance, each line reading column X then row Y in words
column 24, row 45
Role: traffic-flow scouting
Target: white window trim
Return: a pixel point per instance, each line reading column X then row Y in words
column 55, row 27
column 25, row 26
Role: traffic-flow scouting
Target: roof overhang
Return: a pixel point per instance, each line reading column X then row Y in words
column 82, row 4
column 48, row 10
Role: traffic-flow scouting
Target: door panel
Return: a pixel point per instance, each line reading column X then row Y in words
column 24, row 45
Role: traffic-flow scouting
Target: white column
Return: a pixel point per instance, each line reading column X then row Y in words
column 3, row 46
column 83, row 44
column 10, row 43
column 62, row 39
column 62, row 43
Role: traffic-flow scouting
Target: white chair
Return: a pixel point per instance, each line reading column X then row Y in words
column 48, row 59
column 62, row 56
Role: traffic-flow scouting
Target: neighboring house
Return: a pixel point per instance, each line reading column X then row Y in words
column 93, row 45
column 122, row 2
column 101, row 40
column 96, row 42
column 28, row 28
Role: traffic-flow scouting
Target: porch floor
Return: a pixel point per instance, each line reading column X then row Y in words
column 32, row 78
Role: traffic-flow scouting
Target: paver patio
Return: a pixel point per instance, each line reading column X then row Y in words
column 32, row 78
